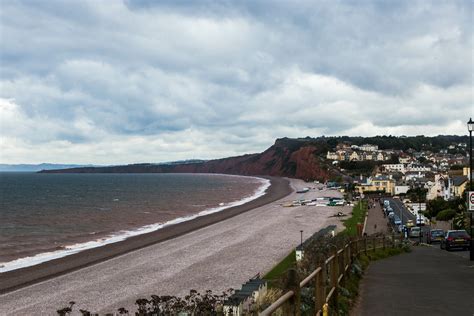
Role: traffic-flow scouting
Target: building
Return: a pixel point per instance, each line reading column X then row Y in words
column 458, row 186
column 404, row 159
column 412, row 176
column 401, row 189
column 465, row 172
column 398, row 167
column 436, row 188
column 354, row 156
column 241, row 302
column 332, row 156
column 369, row 147
column 417, row 168
column 378, row 183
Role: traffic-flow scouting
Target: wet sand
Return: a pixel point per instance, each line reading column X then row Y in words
column 214, row 253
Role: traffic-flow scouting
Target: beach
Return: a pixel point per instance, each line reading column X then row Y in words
column 213, row 252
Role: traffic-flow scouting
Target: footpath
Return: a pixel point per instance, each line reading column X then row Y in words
column 376, row 222
column 426, row 281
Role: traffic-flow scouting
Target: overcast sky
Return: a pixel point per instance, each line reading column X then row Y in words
column 109, row 82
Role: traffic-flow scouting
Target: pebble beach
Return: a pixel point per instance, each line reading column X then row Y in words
column 216, row 256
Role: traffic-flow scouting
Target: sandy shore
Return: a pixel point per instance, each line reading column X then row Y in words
column 216, row 256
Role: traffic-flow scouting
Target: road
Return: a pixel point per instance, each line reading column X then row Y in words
column 426, row 281
column 400, row 210
column 454, row 252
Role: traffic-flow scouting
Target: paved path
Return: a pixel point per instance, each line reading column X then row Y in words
column 376, row 223
column 427, row 281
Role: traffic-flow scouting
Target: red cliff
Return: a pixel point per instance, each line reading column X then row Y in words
column 294, row 158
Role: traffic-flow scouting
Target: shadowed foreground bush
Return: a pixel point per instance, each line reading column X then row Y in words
column 195, row 303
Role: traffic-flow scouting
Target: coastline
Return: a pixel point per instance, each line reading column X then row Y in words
column 18, row 278
column 122, row 235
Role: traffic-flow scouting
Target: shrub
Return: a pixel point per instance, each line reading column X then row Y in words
column 446, row 215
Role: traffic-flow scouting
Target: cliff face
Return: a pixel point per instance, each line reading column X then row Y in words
column 294, row 158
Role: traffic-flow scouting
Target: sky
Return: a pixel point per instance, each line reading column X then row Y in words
column 112, row 82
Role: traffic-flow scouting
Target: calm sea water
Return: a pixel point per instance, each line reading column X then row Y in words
column 46, row 215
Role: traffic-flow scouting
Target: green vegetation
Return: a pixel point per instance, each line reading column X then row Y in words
column 281, row 268
column 402, row 143
column 358, row 216
column 417, row 195
column 439, row 204
column 359, row 167
column 446, row 215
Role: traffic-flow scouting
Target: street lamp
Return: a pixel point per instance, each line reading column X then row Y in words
column 470, row 127
column 301, row 244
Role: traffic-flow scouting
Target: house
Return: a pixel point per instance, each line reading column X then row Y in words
column 380, row 156
column 332, row 156
column 399, row 167
column 459, row 184
column 378, row 183
column 411, row 176
column 404, row 159
column 354, row 156
column 401, row 189
column 367, row 155
column 242, row 300
column 369, row 147
column 465, row 172
column 436, row 188
column 417, row 168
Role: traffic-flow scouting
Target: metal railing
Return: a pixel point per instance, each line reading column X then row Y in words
column 327, row 277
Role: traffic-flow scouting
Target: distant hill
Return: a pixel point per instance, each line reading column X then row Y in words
column 36, row 167
column 295, row 158
column 433, row 143
column 302, row 158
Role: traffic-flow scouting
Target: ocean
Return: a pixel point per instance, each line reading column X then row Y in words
column 48, row 216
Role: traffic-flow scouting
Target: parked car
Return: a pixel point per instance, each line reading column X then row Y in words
column 397, row 220
column 415, row 232
column 456, row 239
column 410, row 223
column 420, row 221
column 435, row 235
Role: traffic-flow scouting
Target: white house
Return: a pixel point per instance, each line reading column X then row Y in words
column 417, row 168
column 399, row 167
column 369, row 147
column 401, row 189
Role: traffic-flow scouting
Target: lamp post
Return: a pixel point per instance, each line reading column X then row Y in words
column 470, row 127
column 301, row 244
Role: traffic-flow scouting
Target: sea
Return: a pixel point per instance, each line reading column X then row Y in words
column 47, row 216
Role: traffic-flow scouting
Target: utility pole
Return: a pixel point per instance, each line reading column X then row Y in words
column 470, row 126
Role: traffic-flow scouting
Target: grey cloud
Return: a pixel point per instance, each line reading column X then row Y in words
column 238, row 74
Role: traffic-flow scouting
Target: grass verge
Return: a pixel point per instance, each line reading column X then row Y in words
column 358, row 216
column 281, row 268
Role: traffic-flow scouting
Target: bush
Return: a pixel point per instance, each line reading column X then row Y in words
column 446, row 215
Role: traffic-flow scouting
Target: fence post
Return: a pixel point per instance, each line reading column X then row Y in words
column 335, row 276
column 293, row 306
column 393, row 240
column 342, row 265
column 320, row 289
column 374, row 241
column 383, row 242
column 365, row 245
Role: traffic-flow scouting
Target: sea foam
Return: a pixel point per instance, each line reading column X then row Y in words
column 122, row 235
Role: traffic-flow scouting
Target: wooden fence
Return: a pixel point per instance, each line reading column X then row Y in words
column 328, row 276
